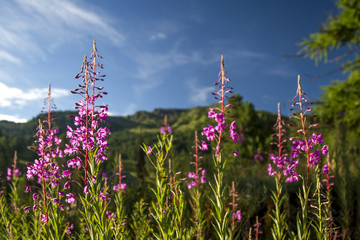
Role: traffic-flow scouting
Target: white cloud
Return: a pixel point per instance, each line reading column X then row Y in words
column 10, row 96
column 31, row 28
column 157, row 36
column 5, row 56
column 198, row 95
column 11, row 118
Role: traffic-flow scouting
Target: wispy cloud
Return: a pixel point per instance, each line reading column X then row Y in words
column 5, row 56
column 16, row 97
column 11, row 118
column 30, row 28
column 282, row 71
column 198, row 95
column 247, row 53
column 157, row 36
column 151, row 65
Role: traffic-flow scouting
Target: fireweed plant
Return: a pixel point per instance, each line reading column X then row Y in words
column 236, row 214
column 12, row 222
column 281, row 169
column 160, row 211
column 194, row 180
column 310, row 146
column 216, row 136
column 87, row 150
column 119, row 215
column 176, row 204
column 178, row 207
column 48, row 201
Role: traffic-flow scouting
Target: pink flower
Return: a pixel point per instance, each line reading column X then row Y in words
column 86, row 189
column 35, row 195
column 271, row 170
column 67, row 185
column 149, row 150
column 120, row 187
column 237, row 215
column 204, row 146
column 44, row 218
column 27, row 189
column 102, row 195
column 162, row 130
column 26, row 209
column 70, row 198
column 66, row 173
column 326, row 169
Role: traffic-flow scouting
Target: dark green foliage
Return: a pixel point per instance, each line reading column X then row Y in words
column 338, row 42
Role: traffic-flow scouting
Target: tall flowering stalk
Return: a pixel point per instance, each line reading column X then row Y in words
column 47, row 172
column 236, row 214
column 158, row 156
column 12, row 222
column 196, row 195
column 284, row 168
column 13, row 175
column 216, row 135
column 87, row 149
column 307, row 145
column 176, row 204
column 120, row 220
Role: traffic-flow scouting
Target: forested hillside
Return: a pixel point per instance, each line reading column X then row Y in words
column 130, row 132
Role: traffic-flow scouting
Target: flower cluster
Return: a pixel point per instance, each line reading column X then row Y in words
column 195, row 177
column 13, row 172
column 236, row 216
column 305, row 144
column 286, row 165
column 88, row 140
column 120, row 187
column 47, row 148
column 218, row 114
column 300, row 146
column 166, row 128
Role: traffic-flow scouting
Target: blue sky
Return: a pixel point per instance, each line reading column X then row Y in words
column 156, row 54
